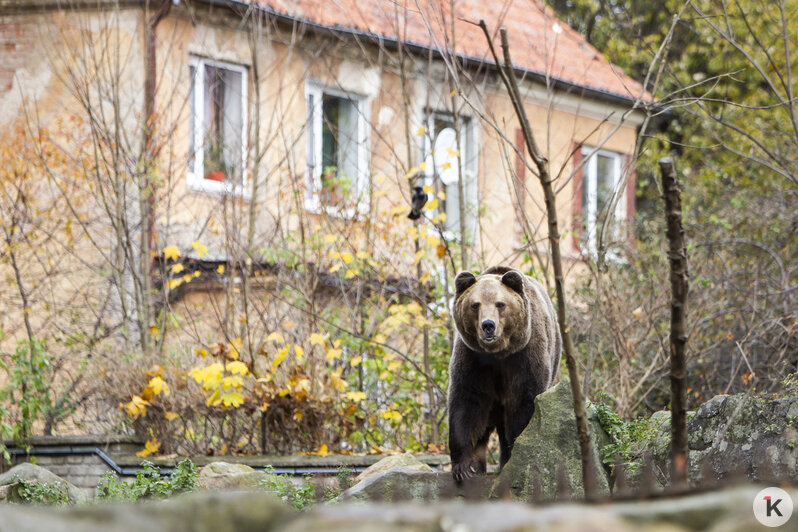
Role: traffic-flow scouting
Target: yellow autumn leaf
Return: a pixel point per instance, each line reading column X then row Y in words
column 420, row 131
column 187, row 278
column 330, row 238
column 280, row 356
column 452, row 153
column 400, row 209
column 208, row 377
column 334, row 354
column 299, row 351
column 137, row 407
column 431, row 205
column 171, row 252
column 362, row 255
column 275, row 337
column 337, row 382
column 442, row 216
column 171, row 416
column 158, row 386
column 350, row 273
column 355, row 396
column 196, row 273
column 446, row 166
column 442, row 196
column 391, row 415
column 356, row 361
column 232, row 381
column 335, row 267
column 346, row 257
column 316, row 339
column 199, row 248
column 234, row 399
column 422, row 167
column 150, row 447
column 220, row 269
column 174, row 283
column 298, row 415
column 393, row 366
column 433, row 241
column 424, row 278
column 201, row 351
column 237, row 366
column 177, row 268
column 322, row 451
column 454, row 92
column 418, row 256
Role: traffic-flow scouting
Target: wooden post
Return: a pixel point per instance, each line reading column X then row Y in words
column 677, row 257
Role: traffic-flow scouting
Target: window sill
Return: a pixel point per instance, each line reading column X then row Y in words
column 216, row 188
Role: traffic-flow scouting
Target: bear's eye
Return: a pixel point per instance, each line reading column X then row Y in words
column 500, row 305
column 474, row 306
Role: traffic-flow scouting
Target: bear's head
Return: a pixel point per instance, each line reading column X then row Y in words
column 491, row 311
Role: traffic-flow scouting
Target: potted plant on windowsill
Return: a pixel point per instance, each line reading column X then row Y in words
column 213, row 163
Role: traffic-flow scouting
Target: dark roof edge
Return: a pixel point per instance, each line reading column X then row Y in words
column 562, row 85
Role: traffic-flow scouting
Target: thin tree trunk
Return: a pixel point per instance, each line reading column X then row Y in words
column 507, row 73
column 677, row 256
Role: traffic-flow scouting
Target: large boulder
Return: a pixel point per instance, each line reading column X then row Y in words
column 549, row 443
column 9, row 483
column 732, row 436
column 406, row 460
column 227, row 476
column 408, row 484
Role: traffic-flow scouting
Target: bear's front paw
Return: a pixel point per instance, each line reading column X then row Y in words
column 467, row 469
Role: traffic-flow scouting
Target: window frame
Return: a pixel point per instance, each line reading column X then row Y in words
column 313, row 202
column 470, row 166
column 590, row 183
column 196, row 178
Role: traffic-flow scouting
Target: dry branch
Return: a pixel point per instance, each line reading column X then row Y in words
column 677, row 256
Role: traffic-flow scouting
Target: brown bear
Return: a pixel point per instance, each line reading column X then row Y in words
column 507, row 351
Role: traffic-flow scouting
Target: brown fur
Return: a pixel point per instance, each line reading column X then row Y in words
column 493, row 381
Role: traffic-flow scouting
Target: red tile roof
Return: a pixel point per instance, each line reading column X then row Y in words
column 539, row 42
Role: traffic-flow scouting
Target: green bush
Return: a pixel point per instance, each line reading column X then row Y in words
column 33, row 492
column 149, row 483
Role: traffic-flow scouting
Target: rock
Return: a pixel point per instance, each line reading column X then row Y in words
column 548, row 442
column 406, row 460
column 33, row 473
column 731, row 437
column 406, row 484
column 227, row 476
column 197, row 512
column 727, row 510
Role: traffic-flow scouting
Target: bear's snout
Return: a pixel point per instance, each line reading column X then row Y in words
column 489, row 328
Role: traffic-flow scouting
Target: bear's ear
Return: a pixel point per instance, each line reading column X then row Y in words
column 462, row 282
column 514, row 280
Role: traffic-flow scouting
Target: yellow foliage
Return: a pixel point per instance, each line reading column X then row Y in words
column 280, row 356
column 429, row 189
column 424, row 278
column 330, row 238
column 201, row 351
column 418, row 256
column 433, row 241
column 171, row 252
column 171, row 416
column 177, row 267
column 298, row 415
column 174, row 283
column 136, row 407
column 442, row 196
column 208, row 377
column 237, row 367
column 355, row 396
column 452, row 153
column 393, row 366
column 346, row 257
column 232, row 381
column 275, row 337
column 391, row 415
column 220, row 269
column 316, row 339
column 420, row 131
column 362, row 255
column 334, row 354
column 299, row 351
column 413, row 307
column 199, row 248
column 157, row 386
column 150, row 447
column 431, row 205
column 356, row 361
column 350, row 273
column 233, row 399
column 337, row 382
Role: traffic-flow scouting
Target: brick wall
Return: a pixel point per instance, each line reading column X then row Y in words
column 16, row 45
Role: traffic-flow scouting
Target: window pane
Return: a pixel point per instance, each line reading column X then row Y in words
column 223, row 123
column 339, row 147
column 605, row 182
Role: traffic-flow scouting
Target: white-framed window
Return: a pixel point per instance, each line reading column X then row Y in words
column 337, row 150
column 217, row 126
column 601, row 176
column 445, row 166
